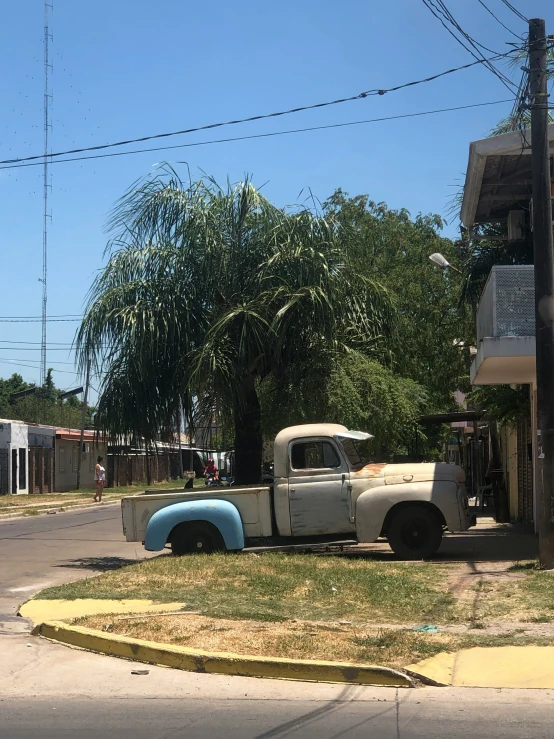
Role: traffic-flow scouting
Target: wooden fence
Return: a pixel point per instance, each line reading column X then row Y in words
column 148, row 469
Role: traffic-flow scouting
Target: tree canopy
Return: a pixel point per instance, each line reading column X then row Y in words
column 43, row 406
column 210, row 291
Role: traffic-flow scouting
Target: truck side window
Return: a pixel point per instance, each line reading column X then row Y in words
column 307, row 455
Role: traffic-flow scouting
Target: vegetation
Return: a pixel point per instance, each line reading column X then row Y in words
column 315, row 605
column 277, row 586
column 43, row 406
column 346, row 642
column 215, row 298
column 207, row 293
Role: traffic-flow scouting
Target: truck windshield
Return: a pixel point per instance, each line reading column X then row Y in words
column 358, row 451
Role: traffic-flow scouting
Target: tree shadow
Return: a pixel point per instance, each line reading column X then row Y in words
column 99, row 564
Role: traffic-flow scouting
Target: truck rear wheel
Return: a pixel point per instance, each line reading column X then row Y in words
column 415, row 532
column 196, row 538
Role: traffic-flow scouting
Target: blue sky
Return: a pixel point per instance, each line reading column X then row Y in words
column 128, row 68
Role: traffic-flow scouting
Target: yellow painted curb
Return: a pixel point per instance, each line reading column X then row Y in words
column 221, row 663
column 38, row 611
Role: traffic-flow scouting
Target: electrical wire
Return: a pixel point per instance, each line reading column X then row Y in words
column 515, row 10
column 443, row 15
column 30, row 366
column 260, row 135
column 447, row 15
column 61, row 315
column 34, row 349
column 39, row 320
column 496, row 18
column 360, row 96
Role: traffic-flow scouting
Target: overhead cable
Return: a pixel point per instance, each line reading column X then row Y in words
column 497, row 19
column 443, row 15
column 515, row 10
column 260, row 136
column 360, row 96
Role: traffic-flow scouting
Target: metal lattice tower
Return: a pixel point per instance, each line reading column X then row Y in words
column 46, row 180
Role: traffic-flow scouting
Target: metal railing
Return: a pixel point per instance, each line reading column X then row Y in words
column 507, row 305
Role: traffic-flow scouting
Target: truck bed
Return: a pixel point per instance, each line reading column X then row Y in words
column 253, row 504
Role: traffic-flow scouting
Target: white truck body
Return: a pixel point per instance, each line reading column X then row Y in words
column 318, row 493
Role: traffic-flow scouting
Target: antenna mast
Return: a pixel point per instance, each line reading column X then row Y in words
column 46, row 178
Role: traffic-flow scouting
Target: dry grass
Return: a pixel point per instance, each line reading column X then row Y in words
column 299, row 640
column 10, row 503
column 279, row 586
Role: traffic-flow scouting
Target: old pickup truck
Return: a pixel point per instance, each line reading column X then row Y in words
column 326, row 489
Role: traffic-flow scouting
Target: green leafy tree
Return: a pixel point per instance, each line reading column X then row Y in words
column 207, row 293
column 431, row 329
column 354, row 390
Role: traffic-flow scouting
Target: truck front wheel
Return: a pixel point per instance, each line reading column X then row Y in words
column 415, row 532
column 196, row 538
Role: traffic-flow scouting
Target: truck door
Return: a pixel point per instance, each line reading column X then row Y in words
column 319, row 490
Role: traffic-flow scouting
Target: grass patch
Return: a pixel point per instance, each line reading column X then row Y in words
column 280, row 586
column 74, row 497
column 301, row 640
column 529, row 598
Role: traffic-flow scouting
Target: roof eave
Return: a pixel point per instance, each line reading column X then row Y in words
column 505, row 144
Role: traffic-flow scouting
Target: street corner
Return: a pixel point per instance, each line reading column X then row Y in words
column 489, row 667
column 221, row 663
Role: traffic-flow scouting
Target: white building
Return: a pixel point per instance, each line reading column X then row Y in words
column 14, row 457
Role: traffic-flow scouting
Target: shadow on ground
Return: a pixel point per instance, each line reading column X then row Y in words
column 488, row 541
column 99, row 564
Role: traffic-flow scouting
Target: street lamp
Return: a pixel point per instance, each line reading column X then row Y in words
column 442, row 262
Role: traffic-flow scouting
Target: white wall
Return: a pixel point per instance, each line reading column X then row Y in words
column 14, row 437
column 65, row 465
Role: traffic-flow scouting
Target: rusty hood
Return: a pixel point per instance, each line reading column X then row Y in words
column 395, row 474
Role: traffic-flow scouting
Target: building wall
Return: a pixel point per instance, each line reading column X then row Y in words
column 65, row 464
column 14, row 440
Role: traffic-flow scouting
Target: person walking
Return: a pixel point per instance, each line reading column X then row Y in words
column 100, row 479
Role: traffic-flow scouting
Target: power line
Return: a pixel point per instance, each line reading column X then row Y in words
column 263, row 135
column 515, row 10
column 39, row 320
column 360, row 96
column 35, row 361
column 496, row 18
column 34, row 349
column 38, row 343
column 34, row 367
column 443, row 15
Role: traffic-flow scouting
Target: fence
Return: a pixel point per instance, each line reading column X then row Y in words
column 41, row 470
column 132, row 469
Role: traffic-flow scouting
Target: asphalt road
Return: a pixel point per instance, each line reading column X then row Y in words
column 39, row 551
column 270, row 719
column 48, row 690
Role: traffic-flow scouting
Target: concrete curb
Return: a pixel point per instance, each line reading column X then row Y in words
column 221, row 663
column 56, row 509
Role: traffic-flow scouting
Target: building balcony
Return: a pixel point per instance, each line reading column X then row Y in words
column 506, row 328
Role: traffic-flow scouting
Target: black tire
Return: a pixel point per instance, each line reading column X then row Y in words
column 196, row 538
column 415, row 532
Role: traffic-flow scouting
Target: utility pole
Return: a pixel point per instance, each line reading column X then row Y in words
column 83, row 420
column 544, row 286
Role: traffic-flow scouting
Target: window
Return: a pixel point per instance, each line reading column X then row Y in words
column 62, row 459
column 314, row 455
column 22, row 469
column 358, row 451
column 90, row 461
column 75, row 459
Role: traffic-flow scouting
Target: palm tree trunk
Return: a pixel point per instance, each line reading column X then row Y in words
column 248, row 435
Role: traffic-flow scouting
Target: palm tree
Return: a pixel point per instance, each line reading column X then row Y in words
column 206, row 292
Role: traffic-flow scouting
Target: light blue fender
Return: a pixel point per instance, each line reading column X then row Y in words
column 222, row 514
